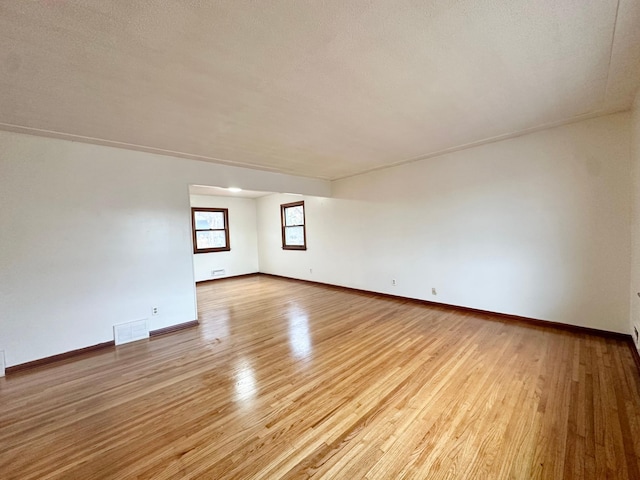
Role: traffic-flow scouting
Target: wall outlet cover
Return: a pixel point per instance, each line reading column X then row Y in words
column 2, row 363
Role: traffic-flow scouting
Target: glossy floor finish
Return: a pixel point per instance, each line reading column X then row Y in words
column 285, row 379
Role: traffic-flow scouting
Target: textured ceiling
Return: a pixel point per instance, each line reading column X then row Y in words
column 323, row 89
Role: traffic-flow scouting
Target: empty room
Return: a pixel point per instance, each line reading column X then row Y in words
column 320, row 239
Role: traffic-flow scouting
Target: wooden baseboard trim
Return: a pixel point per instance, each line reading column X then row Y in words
column 57, row 358
column 174, row 328
column 530, row 321
column 81, row 351
column 254, row 274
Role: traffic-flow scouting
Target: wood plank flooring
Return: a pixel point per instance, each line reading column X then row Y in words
column 285, row 380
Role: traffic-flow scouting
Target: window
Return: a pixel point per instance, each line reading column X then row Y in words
column 294, row 236
column 210, row 230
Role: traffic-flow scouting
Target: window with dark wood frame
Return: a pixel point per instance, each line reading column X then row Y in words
column 294, row 233
column 210, row 230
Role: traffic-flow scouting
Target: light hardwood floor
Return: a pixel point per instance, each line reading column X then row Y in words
column 285, row 379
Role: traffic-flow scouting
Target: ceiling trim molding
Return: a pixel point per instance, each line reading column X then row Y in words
column 613, row 41
column 39, row 132
column 141, row 148
column 498, row 138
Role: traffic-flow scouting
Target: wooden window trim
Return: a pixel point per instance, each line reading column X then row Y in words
column 225, row 213
column 283, row 226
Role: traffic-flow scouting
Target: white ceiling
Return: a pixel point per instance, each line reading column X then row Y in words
column 323, row 89
column 225, row 192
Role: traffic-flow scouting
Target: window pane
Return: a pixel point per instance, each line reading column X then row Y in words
column 294, row 236
column 294, row 215
column 207, row 220
column 214, row 239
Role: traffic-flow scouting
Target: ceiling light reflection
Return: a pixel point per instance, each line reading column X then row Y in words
column 299, row 337
column 245, row 382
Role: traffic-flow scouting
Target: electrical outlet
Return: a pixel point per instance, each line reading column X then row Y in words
column 2, row 364
column 311, row 270
column 393, row 282
column 433, row 291
column 155, row 311
column 217, row 272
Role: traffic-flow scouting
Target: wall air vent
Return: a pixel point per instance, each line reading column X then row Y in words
column 131, row 331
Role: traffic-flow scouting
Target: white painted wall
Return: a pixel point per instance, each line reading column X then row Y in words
column 243, row 238
column 537, row 226
column 635, row 223
column 91, row 236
